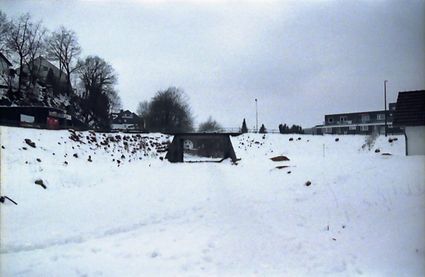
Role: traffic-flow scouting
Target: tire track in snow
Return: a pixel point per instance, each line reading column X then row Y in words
column 12, row 249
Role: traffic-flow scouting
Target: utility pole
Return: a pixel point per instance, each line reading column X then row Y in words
column 385, row 108
column 256, row 116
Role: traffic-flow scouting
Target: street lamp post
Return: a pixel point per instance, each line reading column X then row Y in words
column 256, row 116
column 385, row 108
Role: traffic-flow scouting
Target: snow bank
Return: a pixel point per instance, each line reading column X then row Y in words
column 362, row 214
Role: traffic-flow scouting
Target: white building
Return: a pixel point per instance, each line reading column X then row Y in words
column 125, row 120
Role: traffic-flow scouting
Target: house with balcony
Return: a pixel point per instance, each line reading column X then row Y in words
column 126, row 120
column 359, row 122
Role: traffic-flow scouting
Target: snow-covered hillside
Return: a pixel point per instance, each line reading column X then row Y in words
column 336, row 207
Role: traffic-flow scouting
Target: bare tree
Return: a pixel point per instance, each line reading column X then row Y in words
column 25, row 39
column 96, row 73
column 143, row 109
column 143, row 113
column 63, row 47
column 169, row 112
column 209, row 126
column 98, row 78
column 36, row 49
column 114, row 99
column 4, row 27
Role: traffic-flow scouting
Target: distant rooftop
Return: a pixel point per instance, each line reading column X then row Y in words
column 360, row 112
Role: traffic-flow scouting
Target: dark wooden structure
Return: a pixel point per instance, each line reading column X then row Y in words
column 216, row 145
column 410, row 115
column 38, row 117
column 410, row 109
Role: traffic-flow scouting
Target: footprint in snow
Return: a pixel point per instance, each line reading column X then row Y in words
column 154, row 254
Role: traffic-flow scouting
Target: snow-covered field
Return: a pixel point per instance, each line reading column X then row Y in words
column 363, row 214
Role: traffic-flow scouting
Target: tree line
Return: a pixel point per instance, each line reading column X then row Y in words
column 88, row 82
column 283, row 129
column 169, row 112
column 92, row 96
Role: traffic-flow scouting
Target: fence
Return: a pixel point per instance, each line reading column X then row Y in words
column 238, row 130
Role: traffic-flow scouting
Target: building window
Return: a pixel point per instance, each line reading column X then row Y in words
column 343, row 119
column 380, row 116
column 352, row 128
column 330, row 120
column 364, row 128
column 328, row 130
column 365, row 117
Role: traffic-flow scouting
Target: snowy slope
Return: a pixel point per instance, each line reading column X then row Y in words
column 362, row 214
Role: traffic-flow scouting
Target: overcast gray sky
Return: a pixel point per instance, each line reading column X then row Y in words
column 301, row 59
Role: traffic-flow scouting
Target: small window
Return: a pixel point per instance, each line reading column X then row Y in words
column 330, row 120
column 365, row 118
column 380, row 116
column 343, row 119
column 328, row 130
column 27, row 118
column 364, row 128
column 352, row 128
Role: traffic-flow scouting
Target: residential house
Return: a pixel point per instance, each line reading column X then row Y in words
column 5, row 64
column 6, row 71
column 125, row 120
column 358, row 122
column 42, row 67
column 410, row 115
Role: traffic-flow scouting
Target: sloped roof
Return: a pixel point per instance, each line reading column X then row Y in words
column 410, row 108
column 41, row 59
column 118, row 117
column 5, row 59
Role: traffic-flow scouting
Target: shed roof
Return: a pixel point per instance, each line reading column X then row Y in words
column 410, row 108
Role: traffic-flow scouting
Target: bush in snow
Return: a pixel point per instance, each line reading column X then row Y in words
column 370, row 140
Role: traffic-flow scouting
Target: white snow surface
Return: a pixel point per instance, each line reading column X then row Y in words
column 363, row 213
